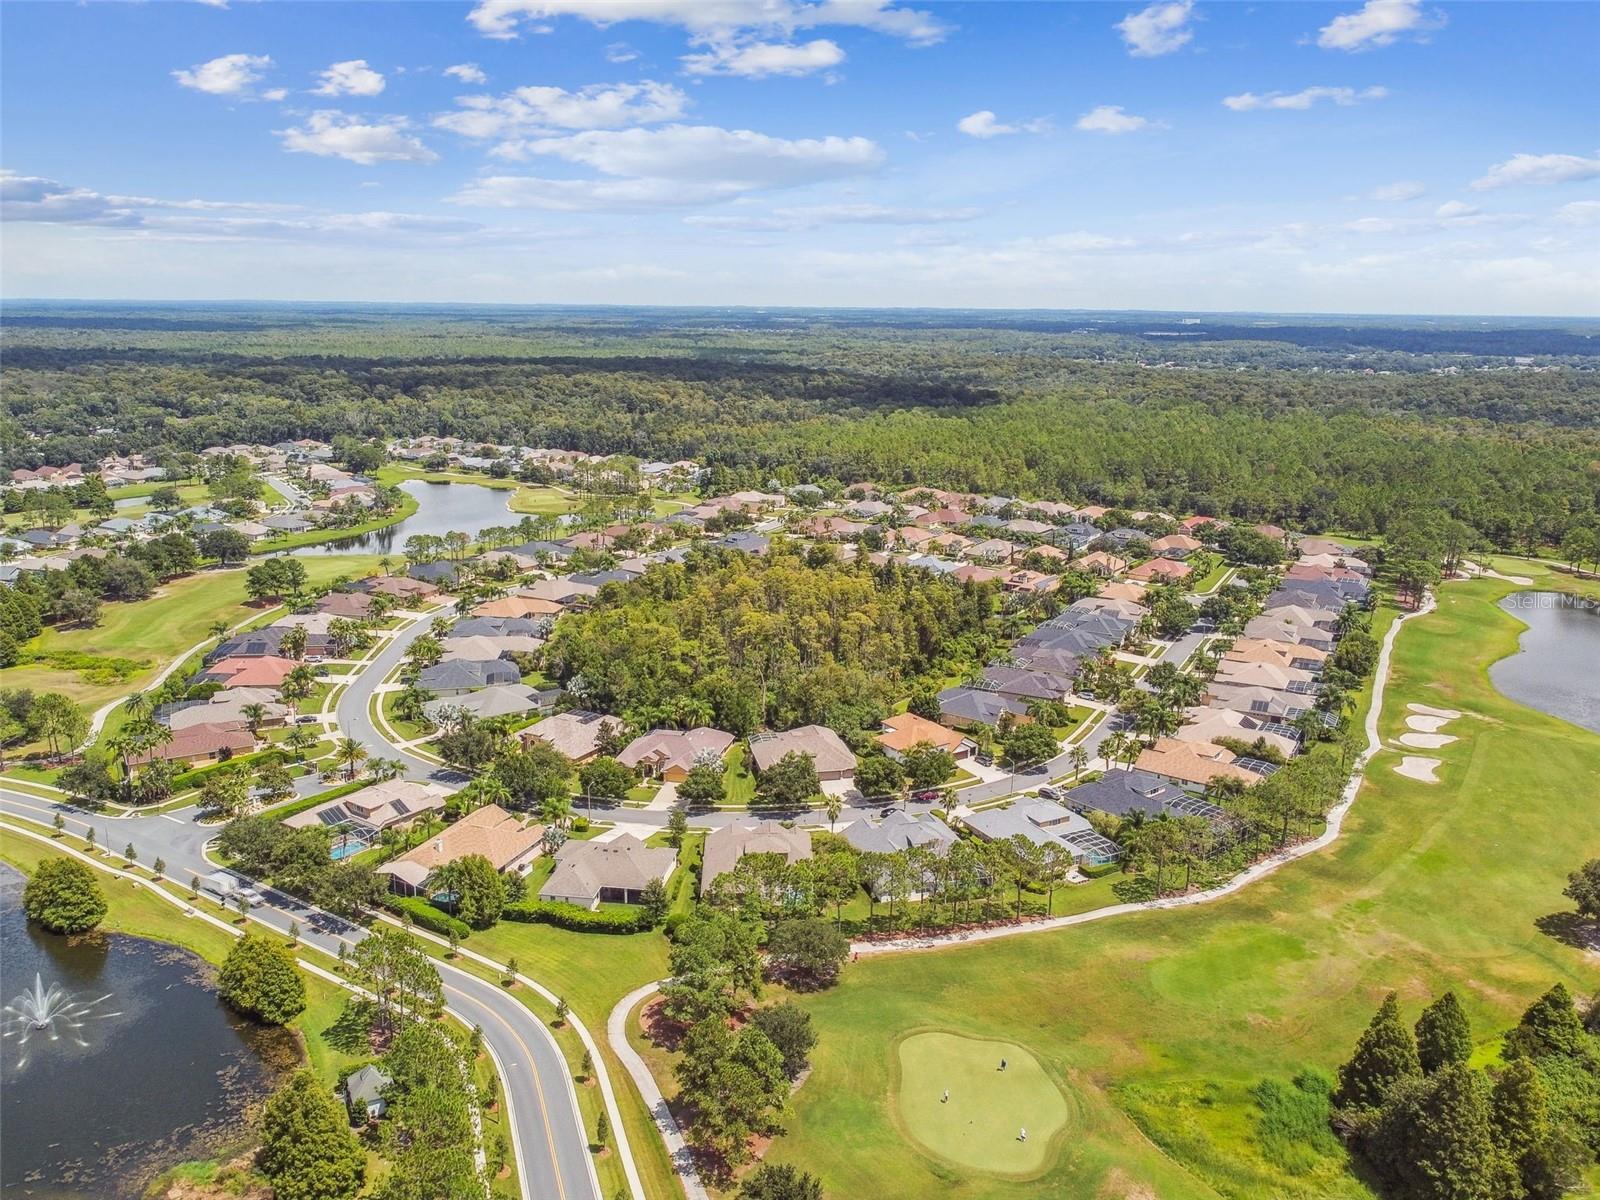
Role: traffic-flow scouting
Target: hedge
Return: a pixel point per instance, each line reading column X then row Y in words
column 426, row 915
column 570, row 916
column 1096, row 871
column 292, row 807
column 185, row 780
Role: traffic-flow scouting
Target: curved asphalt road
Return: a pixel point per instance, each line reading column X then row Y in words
column 550, row 1140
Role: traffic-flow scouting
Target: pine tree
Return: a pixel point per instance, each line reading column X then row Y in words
column 307, row 1150
column 1521, row 1109
column 1385, row 1054
column 1453, row 1155
column 1443, row 1034
column 1550, row 1026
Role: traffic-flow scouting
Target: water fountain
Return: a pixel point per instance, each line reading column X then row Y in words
column 52, row 1010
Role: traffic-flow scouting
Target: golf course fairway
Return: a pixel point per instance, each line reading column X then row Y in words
column 980, row 1125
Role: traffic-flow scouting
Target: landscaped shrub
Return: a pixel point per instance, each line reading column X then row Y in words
column 64, row 897
column 1096, row 871
column 432, row 919
column 570, row 916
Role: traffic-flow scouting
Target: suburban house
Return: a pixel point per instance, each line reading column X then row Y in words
column 1192, row 764
column 201, row 743
column 905, row 731
column 1025, row 684
column 1175, row 545
column 1161, row 570
column 1125, row 792
column 1044, row 823
column 267, row 671
column 667, row 754
column 508, row 844
column 500, row 700
column 899, row 831
column 392, row 804
column 457, row 675
column 363, row 1091
column 1233, row 673
column 227, row 707
column 1209, row 724
column 591, row 873
column 1279, row 654
column 825, row 748
column 726, row 845
column 519, row 606
column 968, row 707
column 575, row 733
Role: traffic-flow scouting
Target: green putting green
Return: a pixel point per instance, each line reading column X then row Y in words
column 980, row 1125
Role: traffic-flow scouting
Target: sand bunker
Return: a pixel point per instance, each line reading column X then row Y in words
column 1427, row 724
column 1420, row 769
column 1448, row 714
column 1426, row 741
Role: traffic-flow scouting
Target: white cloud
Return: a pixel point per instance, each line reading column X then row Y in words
column 275, row 94
column 1579, row 212
column 755, row 60
column 467, row 73
column 351, row 78
column 1159, row 29
column 213, row 3
column 814, row 215
column 1404, row 189
column 984, row 124
column 1540, row 169
column 740, row 157
column 673, row 166
column 331, row 134
column 620, row 52
column 1456, row 210
column 726, row 19
column 1303, row 99
column 230, row 75
column 1110, row 118
column 1379, row 23
column 532, row 111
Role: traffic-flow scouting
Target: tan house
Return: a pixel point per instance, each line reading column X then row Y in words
column 727, row 845
column 1192, row 764
column 1161, row 570
column 668, row 754
column 591, row 873
column 824, row 747
column 1101, row 563
column 904, row 731
column 505, row 840
column 575, row 733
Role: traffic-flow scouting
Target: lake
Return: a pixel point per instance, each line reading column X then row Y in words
column 441, row 509
column 167, row 1074
column 1557, row 668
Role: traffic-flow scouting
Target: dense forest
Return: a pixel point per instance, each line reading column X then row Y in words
column 739, row 642
column 1322, row 424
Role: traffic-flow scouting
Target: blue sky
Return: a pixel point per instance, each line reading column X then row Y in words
column 1359, row 156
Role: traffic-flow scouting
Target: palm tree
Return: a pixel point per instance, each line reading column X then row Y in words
column 300, row 739
column 349, row 754
column 254, row 714
column 835, row 806
column 382, row 769
column 1080, row 759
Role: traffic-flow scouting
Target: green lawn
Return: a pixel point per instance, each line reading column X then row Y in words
column 134, row 641
column 738, row 781
column 952, row 1097
column 1159, row 1022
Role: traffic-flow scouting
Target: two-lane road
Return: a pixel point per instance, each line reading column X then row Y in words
column 552, row 1146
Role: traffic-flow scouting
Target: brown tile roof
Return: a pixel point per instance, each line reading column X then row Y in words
column 490, row 831
column 905, row 730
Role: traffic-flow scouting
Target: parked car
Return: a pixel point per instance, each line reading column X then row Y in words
column 887, row 812
column 928, row 795
column 1047, row 792
column 983, row 758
